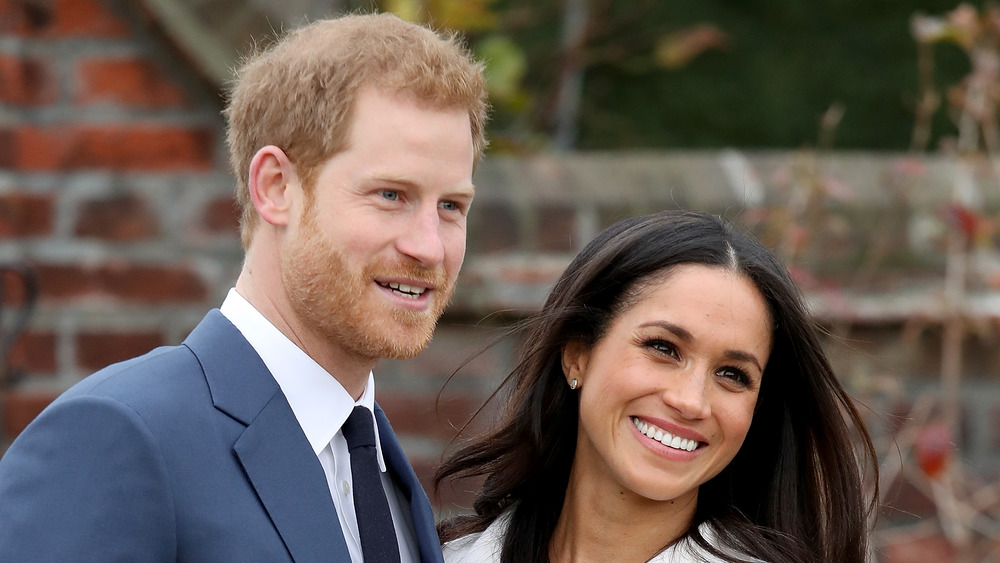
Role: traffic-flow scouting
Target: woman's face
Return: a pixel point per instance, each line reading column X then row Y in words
column 668, row 393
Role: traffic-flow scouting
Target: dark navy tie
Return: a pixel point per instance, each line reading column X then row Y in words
column 378, row 537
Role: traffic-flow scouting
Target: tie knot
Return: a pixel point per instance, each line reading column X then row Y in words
column 358, row 429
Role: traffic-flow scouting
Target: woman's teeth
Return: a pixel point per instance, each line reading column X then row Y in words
column 664, row 437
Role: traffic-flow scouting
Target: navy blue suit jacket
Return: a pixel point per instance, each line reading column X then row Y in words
column 188, row 453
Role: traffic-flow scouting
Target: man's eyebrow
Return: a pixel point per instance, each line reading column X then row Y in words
column 468, row 191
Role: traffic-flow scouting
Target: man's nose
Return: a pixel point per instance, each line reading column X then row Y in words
column 421, row 239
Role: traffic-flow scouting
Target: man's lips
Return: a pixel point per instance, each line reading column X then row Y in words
column 406, row 290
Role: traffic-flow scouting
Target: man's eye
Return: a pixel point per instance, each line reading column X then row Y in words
column 449, row 205
column 391, row 195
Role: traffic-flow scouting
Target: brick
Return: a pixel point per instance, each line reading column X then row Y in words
column 608, row 215
column 34, row 353
column 8, row 138
column 24, row 215
column 20, row 408
column 994, row 432
column 918, row 549
column 124, row 282
column 18, row 285
column 453, row 344
column 18, row 17
column 58, row 282
column 221, row 215
column 425, row 468
column 120, row 148
column 131, row 82
column 451, row 496
column 556, row 229
column 26, row 82
column 118, row 219
column 493, row 228
column 97, row 350
column 423, row 415
column 151, row 284
column 61, row 19
column 84, row 18
column 904, row 498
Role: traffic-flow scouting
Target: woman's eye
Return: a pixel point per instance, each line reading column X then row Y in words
column 663, row 347
column 391, row 195
column 734, row 374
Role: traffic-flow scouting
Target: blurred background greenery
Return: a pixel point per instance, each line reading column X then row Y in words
column 712, row 73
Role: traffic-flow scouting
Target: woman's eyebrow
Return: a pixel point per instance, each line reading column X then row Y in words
column 678, row 331
column 685, row 335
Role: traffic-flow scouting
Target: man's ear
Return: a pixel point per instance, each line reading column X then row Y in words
column 272, row 181
column 575, row 355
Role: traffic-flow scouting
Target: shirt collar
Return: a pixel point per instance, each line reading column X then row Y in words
column 320, row 403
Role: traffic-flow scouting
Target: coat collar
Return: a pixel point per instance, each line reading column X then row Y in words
column 420, row 507
column 240, row 383
column 274, row 453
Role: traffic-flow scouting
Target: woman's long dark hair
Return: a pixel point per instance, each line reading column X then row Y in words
column 794, row 492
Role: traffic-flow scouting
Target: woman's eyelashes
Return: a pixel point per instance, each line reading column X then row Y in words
column 736, row 375
column 662, row 347
column 732, row 375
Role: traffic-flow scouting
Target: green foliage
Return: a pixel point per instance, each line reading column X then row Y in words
column 786, row 63
column 711, row 73
column 505, row 68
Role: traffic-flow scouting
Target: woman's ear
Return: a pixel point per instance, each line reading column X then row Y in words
column 575, row 355
column 272, row 181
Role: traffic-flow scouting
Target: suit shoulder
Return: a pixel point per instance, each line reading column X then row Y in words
column 160, row 375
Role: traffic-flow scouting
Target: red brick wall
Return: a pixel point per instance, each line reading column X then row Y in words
column 112, row 188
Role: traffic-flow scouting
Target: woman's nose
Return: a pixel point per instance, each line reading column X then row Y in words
column 688, row 393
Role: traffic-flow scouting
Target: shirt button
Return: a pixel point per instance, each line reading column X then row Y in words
column 346, row 487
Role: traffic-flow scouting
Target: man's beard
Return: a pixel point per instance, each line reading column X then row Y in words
column 337, row 300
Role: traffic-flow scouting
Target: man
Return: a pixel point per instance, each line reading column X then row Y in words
column 353, row 141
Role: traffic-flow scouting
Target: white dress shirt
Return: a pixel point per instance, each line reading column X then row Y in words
column 321, row 405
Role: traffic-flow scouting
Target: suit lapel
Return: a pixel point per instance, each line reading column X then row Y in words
column 290, row 482
column 274, row 452
column 420, row 507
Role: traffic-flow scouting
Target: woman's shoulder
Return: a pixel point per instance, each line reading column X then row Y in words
column 688, row 551
column 480, row 547
column 486, row 546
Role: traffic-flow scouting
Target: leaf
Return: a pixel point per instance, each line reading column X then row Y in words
column 676, row 49
column 408, row 10
column 968, row 221
column 464, row 15
column 928, row 29
column 934, row 448
column 506, row 66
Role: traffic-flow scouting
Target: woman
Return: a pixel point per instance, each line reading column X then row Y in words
column 671, row 403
